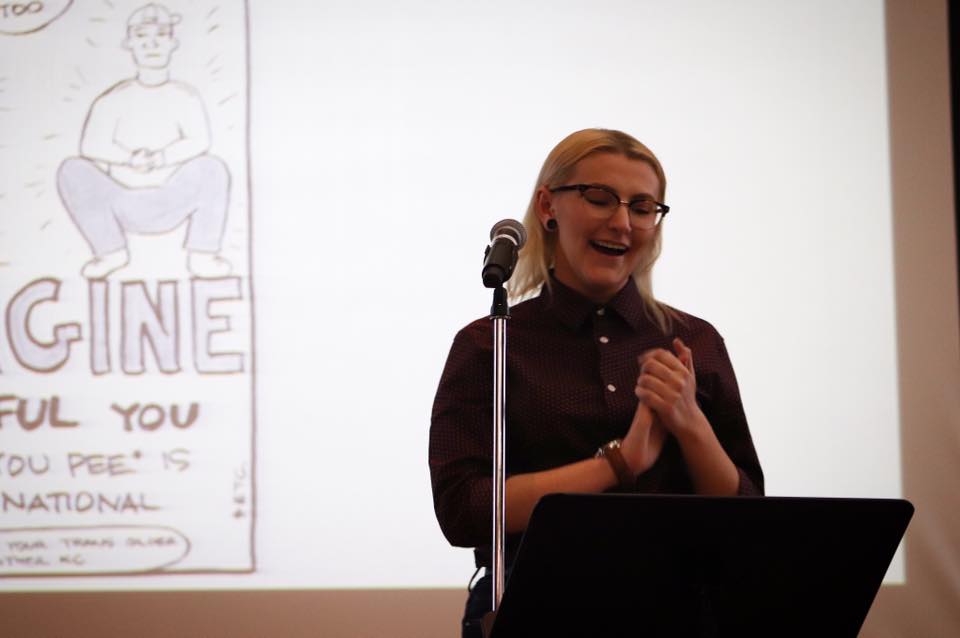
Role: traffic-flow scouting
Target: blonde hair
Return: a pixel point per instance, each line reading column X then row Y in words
column 537, row 256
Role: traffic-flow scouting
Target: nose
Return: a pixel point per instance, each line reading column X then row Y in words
column 620, row 218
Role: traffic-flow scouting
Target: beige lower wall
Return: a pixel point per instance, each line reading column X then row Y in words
column 426, row 613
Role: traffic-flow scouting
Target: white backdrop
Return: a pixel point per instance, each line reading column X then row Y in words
column 386, row 139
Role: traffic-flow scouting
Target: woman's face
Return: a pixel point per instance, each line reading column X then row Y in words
column 596, row 254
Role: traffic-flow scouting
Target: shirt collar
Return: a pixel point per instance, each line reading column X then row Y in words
column 573, row 309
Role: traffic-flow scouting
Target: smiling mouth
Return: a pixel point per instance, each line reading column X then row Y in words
column 608, row 248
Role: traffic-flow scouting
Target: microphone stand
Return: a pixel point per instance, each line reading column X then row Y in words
column 499, row 313
column 507, row 237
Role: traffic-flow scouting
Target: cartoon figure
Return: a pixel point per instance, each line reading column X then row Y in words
column 144, row 164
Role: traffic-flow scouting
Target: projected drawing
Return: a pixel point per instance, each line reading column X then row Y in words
column 26, row 17
column 126, row 309
column 145, row 164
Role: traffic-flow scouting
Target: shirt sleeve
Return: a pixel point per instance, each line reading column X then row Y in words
column 97, row 141
column 194, row 126
column 724, row 410
column 461, row 440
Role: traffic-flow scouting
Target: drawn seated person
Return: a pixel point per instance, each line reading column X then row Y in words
column 144, row 164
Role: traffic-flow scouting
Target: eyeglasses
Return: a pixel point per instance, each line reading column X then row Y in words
column 645, row 212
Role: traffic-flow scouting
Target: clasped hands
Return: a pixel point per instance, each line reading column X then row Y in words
column 666, row 389
column 144, row 160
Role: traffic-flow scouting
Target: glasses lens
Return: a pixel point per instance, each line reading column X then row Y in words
column 644, row 212
column 643, row 206
column 600, row 197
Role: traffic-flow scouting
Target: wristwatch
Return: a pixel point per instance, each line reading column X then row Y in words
column 611, row 452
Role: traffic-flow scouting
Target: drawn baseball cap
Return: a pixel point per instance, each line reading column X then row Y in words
column 153, row 14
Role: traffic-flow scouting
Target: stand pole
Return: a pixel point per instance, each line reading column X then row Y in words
column 499, row 313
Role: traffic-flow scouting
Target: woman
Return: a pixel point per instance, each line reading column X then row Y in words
column 608, row 389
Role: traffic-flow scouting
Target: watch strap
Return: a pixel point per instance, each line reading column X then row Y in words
column 611, row 452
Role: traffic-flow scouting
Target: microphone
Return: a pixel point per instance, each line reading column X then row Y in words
column 507, row 237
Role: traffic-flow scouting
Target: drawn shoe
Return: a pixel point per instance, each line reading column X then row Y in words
column 100, row 267
column 207, row 265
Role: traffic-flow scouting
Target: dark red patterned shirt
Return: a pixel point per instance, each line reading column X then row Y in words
column 571, row 370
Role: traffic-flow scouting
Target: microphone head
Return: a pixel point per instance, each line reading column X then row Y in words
column 510, row 228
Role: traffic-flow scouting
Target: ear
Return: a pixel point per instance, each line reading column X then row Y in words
column 544, row 205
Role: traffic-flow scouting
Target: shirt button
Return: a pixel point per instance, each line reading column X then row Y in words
column 611, row 387
column 604, row 340
column 601, row 311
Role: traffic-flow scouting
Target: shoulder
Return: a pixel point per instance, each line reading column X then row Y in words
column 122, row 86
column 182, row 89
column 478, row 334
column 701, row 337
column 116, row 93
column 130, row 89
column 688, row 325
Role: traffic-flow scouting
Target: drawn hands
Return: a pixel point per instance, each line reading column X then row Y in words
column 668, row 385
column 144, row 160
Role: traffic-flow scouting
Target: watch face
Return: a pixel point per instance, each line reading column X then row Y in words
column 610, row 445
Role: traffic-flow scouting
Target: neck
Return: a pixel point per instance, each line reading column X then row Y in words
column 599, row 297
column 152, row 77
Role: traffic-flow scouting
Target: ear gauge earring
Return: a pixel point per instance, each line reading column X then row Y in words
column 551, row 224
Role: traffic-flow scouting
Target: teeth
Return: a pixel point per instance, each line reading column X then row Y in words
column 607, row 244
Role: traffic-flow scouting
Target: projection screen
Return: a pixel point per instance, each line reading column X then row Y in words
column 243, row 401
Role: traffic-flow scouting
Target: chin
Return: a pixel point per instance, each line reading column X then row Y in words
column 606, row 287
column 607, row 278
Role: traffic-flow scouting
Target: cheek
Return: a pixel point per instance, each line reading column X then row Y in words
column 572, row 239
column 645, row 238
column 567, row 245
column 574, row 228
column 643, row 247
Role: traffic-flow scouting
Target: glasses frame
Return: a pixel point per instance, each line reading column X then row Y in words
column 662, row 209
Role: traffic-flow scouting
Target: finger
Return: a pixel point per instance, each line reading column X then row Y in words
column 676, row 370
column 649, row 354
column 684, row 353
column 674, row 376
column 654, row 401
column 662, row 389
column 665, row 357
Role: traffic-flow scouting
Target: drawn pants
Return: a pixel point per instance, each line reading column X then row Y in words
column 104, row 210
